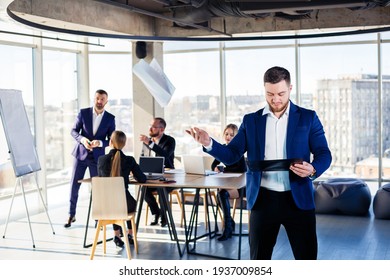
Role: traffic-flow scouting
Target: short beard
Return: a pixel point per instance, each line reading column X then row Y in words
column 153, row 134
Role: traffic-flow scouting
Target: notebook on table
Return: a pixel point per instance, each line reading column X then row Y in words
column 194, row 164
column 152, row 167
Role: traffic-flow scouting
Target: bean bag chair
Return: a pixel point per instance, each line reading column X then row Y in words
column 347, row 196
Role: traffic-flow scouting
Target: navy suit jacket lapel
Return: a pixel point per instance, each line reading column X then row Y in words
column 89, row 120
column 293, row 120
column 261, row 122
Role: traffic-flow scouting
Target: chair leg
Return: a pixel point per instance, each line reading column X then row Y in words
column 104, row 238
column 127, row 243
column 132, row 220
column 234, row 207
column 95, row 241
column 179, row 203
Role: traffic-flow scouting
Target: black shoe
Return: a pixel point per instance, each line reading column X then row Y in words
column 228, row 231
column 70, row 221
column 118, row 242
column 155, row 222
column 164, row 221
column 131, row 240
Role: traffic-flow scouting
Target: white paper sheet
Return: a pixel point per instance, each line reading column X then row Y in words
column 155, row 80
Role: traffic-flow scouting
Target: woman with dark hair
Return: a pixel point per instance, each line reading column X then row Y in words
column 115, row 164
column 223, row 195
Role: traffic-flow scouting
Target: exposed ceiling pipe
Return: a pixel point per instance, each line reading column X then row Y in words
column 160, row 16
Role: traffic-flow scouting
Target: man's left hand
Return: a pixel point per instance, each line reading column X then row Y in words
column 303, row 169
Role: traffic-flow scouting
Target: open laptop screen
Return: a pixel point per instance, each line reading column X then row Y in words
column 152, row 165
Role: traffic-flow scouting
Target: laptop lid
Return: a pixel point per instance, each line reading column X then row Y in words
column 152, row 165
column 194, row 164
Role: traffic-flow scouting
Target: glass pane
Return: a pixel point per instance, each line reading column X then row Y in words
column 196, row 101
column 113, row 73
column 386, row 110
column 61, row 40
column 15, row 73
column 342, row 81
column 184, row 45
column 60, row 101
column 109, row 45
column 16, row 33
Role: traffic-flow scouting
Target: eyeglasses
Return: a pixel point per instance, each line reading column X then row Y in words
column 151, row 126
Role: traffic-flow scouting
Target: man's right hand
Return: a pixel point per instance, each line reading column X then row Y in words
column 200, row 136
column 86, row 143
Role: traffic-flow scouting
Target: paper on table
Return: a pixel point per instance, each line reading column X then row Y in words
column 155, row 80
column 173, row 171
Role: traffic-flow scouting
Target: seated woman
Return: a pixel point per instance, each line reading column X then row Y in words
column 114, row 164
column 223, row 195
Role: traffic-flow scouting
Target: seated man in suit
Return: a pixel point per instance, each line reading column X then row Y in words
column 158, row 144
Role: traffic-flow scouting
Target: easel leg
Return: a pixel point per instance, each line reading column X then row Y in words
column 28, row 215
column 19, row 181
column 12, row 202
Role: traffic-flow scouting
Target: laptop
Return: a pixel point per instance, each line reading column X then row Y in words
column 195, row 164
column 152, row 167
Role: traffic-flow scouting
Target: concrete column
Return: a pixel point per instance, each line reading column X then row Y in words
column 145, row 107
column 39, row 116
column 83, row 93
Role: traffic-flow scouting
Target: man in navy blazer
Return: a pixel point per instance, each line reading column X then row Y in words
column 92, row 131
column 281, row 130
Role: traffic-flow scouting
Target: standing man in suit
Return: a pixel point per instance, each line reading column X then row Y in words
column 280, row 130
column 162, row 145
column 92, row 131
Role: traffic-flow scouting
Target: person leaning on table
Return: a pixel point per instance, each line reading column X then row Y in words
column 280, row 130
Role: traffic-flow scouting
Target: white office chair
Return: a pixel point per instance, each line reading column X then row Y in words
column 109, row 207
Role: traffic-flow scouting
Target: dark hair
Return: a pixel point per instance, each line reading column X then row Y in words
column 102, row 91
column 276, row 74
column 161, row 121
column 118, row 140
column 232, row 127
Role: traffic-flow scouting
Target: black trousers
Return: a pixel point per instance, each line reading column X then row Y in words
column 273, row 209
column 151, row 200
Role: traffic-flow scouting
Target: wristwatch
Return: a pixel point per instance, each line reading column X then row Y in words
column 312, row 176
column 150, row 142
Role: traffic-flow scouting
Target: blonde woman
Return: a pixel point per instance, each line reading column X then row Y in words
column 223, row 195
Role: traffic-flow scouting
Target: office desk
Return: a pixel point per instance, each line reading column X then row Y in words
column 185, row 181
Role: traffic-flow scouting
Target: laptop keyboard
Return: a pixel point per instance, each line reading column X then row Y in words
column 153, row 177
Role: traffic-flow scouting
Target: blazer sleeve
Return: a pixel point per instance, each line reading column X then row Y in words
column 77, row 127
column 136, row 171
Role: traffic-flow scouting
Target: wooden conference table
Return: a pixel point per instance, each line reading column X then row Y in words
column 180, row 180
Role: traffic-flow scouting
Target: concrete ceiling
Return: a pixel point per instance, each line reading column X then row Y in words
column 221, row 19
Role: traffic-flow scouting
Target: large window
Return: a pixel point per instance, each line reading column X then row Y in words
column 112, row 71
column 244, row 77
column 196, row 100
column 60, row 95
column 343, row 83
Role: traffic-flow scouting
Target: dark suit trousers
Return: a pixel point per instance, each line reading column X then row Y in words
column 273, row 209
column 79, row 168
column 151, row 200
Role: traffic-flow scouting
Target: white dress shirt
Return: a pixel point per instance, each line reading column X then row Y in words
column 275, row 148
column 96, row 120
